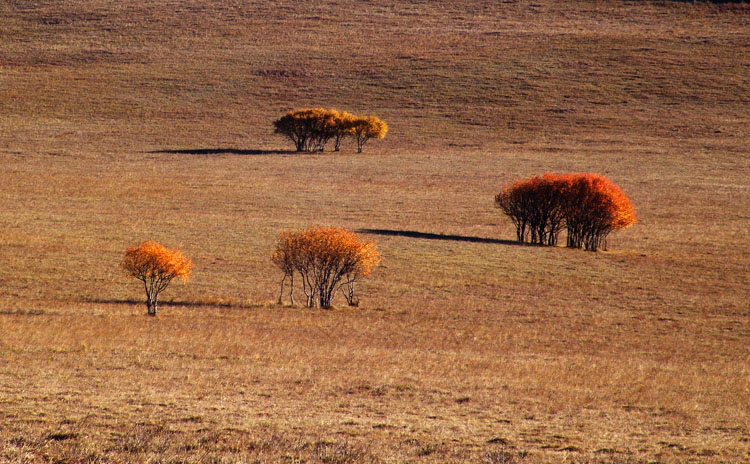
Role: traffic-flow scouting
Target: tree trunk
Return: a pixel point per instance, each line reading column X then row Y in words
column 281, row 293
column 151, row 306
column 351, row 298
column 325, row 301
column 154, row 304
column 291, row 289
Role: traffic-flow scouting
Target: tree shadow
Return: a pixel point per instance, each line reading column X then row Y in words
column 429, row 236
column 222, row 151
column 175, row 303
column 25, row 312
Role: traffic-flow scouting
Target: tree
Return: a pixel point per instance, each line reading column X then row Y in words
column 156, row 266
column 309, row 129
column 593, row 207
column 368, row 259
column 324, row 127
column 312, row 128
column 294, row 128
column 588, row 206
column 363, row 128
column 342, row 126
column 535, row 209
column 326, row 258
column 286, row 257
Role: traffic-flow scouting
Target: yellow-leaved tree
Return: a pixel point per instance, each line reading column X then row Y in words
column 310, row 129
column 156, row 266
column 364, row 128
column 341, row 127
column 304, row 127
column 326, row 259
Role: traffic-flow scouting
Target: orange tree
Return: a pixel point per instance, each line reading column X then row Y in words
column 156, row 266
column 588, row 206
column 593, row 207
column 534, row 207
column 326, row 259
column 367, row 257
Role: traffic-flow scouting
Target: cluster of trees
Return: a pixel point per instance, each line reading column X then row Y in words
column 326, row 259
column 312, row 128
column 588, row 206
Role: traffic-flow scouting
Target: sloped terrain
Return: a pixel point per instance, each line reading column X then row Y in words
column 147, row 119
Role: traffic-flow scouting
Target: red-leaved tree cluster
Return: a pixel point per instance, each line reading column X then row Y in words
column 588, row 206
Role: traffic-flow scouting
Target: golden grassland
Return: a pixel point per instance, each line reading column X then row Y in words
column 132, row 120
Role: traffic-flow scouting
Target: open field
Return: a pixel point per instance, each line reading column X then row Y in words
column 123, row 121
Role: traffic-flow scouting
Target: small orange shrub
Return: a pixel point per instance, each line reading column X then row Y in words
column 326, row 259
column 156, row 266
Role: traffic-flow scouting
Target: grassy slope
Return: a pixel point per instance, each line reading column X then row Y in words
column 462, row 348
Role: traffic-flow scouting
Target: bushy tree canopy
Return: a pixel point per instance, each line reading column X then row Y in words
column 311, row 129
column 588, row 206
column 365, row 128
column 156, row 266
column 326, row 258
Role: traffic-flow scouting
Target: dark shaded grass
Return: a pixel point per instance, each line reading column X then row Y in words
column 222, row 151
column 431, row 236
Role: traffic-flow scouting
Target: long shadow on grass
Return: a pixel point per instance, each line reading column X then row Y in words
column 429, row 236
column 222, row 151
column 187, row 304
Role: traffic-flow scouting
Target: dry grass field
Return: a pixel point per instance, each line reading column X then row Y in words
column 123, row 121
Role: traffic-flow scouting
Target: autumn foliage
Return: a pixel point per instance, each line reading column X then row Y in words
column 311, row 129
column 588, row 206
column 156, row 266
column 365, row 128
column 325, row 259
